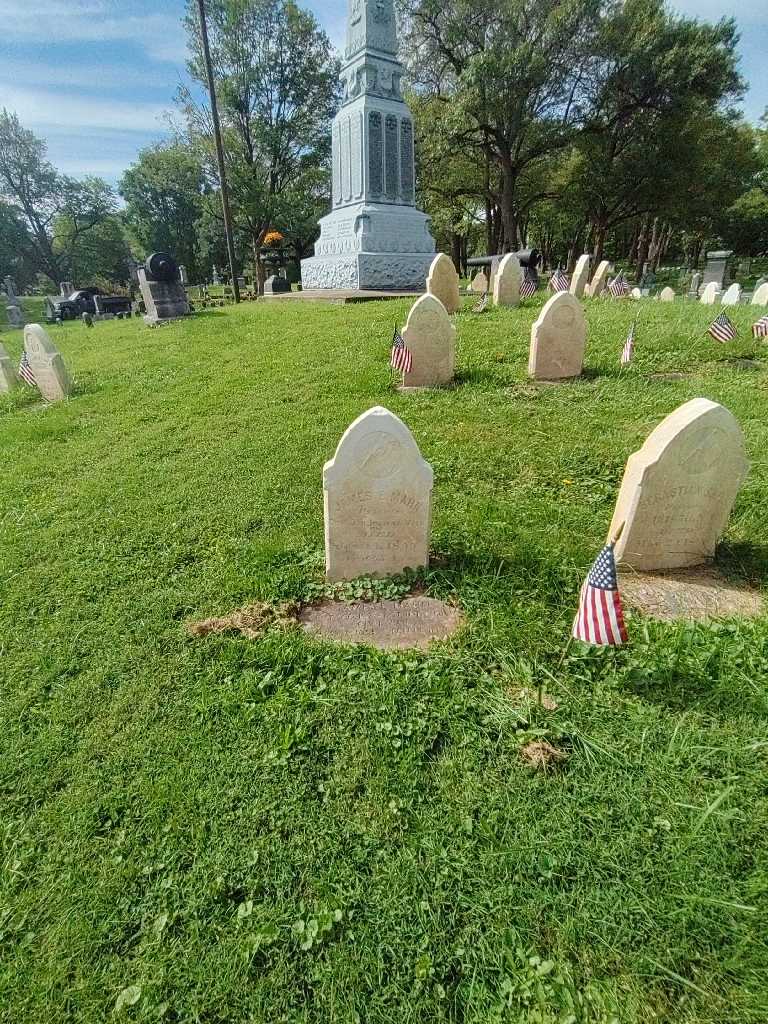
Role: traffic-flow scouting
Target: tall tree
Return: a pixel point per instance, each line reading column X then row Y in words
column 163, row 193
column 46, row 200
column 276, row 84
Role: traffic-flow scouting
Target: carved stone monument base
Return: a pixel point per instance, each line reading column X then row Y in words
column 368, row 271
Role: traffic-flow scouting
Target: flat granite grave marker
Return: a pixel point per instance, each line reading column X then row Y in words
column 558, row 339
column 8, row 380
column 431, row 338
column 506, row 285
column 667, row 295
column 389, row 625
column 580, row 278
column 679, row 488
column 443, row 283
column 760, row 298
column 732, row 296
column 50, row 373
column 600, row 280
column 711, row 294
column 378, row 500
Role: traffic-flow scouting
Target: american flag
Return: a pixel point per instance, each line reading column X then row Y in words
column 25, row 371
column 528, row 287
column 760, row 329
column 482, row 304
column 628, row 351
column 722, row 329
column 402, row 358
column 559, row 282
column 600, row 618
column 619, row 287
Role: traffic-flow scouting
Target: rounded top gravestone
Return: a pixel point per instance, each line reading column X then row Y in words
column 480, row 283
column 47, row 366
column 580, row 278
column 600, row 280
column 679, row 488
column 7, row 373
column 710, row 294
column 760, row 298
column 161, row 266
column 558, row 339
column 378, row 500
column 431, row 338
column 443, row 283
column 506, row 286
column 667, row 295
column 732, row 296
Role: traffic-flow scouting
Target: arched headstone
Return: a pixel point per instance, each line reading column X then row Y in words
column 711, row 294
column 667, row 295
column 431, row 338
column 679, row 489
column 580, row 278
column 558, row 339
column 480, row 283
column 50, row 373
column 8, row 379
column 378, row 500
column 443, row 283
column 732, row 296
column 600, row 280
column 636, row 293
column 506, row 286
column 760, row 298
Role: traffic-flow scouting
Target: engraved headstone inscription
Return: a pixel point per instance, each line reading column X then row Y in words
column 431, row 338
column 50, row 373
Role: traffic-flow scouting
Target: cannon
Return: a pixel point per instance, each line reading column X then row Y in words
column 161, row 266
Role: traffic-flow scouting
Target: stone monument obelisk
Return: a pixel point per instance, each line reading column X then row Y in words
column 374, row 237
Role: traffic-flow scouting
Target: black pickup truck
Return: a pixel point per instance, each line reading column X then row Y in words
column 85, row 301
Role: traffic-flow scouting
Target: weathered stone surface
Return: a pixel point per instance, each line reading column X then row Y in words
column 443, row 283
column 732, row 296
column 8, row 379
column 413, row 624
column 679, row 488
column 667, row 295
column 558, row 339
column 636, row 293
column 14, row 314
column 760, row 298
column 431, row 337
column 711, row 294
column 600, row 280
column 693, row 291
column 480, row 283
column 53, row 380
column 696, row 595
column 506, row 284
column 163, row 300
column 580, row 278
column 378, row 500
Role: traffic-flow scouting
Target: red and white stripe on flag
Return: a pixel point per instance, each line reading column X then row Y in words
column 600, row 618
column 760, row 329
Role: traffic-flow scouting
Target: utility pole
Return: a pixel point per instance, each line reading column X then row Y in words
column 219, row 150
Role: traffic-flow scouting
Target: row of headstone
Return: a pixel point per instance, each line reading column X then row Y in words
column 44, row 362
column 443, row 282
column 673, row 506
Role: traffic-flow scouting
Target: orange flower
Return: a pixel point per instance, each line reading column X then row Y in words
column 273, row 238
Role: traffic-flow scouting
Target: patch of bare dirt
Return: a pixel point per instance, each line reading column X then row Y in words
column 250, row 621
column 689, row 594
column 543, row 756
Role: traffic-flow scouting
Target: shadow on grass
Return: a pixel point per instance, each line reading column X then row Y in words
column 743, row 562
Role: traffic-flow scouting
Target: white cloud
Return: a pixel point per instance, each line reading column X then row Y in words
column 39, row 108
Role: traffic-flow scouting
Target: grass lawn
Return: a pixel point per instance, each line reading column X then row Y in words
column 276, row 830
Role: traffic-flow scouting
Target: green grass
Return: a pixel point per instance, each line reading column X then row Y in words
column 232, row 830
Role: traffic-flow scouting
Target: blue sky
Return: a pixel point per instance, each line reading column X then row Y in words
column 96, row 78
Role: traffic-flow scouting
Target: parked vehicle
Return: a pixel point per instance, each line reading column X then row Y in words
column 86, row 300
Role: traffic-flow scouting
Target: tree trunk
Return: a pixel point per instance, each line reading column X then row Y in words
column 642, row 247
column 456, row 251
column 600, row 233
column 508, row 217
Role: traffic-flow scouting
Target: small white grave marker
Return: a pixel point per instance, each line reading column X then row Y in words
column 50, row 373
column 506, row 285
column 8, row 380
column 431, row 337
column 558, row 339
column 580, row 278
column 443, row 283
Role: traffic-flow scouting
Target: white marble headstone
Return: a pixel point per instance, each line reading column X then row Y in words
column 443, row 283
column 480, row 283
column 558, row 339
column 506, row 286
column 378, row 500
column 600, row 281
column 667, row 295
column 431, row 338
column 636, row 293
column 8, row 379
column 732, row 296
column 760, row 298
column 679, row 489
column 580, row 278
column 53, row 380
column 711, row 294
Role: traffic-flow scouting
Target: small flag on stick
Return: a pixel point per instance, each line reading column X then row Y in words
column 482, row 304
column 600, row 618
column 760, row 329
column 401, row 358
column 559, row 282
column 528, row 287
column 619, row 287
column 25, row 371
column 628, row 352
column 722, row 329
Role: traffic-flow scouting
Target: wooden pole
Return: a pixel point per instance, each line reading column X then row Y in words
column 219, row 150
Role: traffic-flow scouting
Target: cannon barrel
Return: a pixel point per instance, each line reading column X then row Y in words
column 161, row 266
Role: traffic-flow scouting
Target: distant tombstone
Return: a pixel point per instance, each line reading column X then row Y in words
column 636, row 293
column 66, row 288
column 47, row 366
column 760, row 282
column 216, row 278
column 378, row 500
column 716, row 270
column 580, row 278
column 558, row 339
column 760, row 298
column 711, row 294
column 431, row 338
column 506, row 286
column 8, row 380
column 693, row 291
column 679, row 489
column 600, row 280
column 276, row 285
column 732, row 296
column 443, row 283
column 14, row 314
column 88, row 319
column 10, row 289
column 183, row 275
column 161, row 289
column 667, row 295
column 480, row 283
